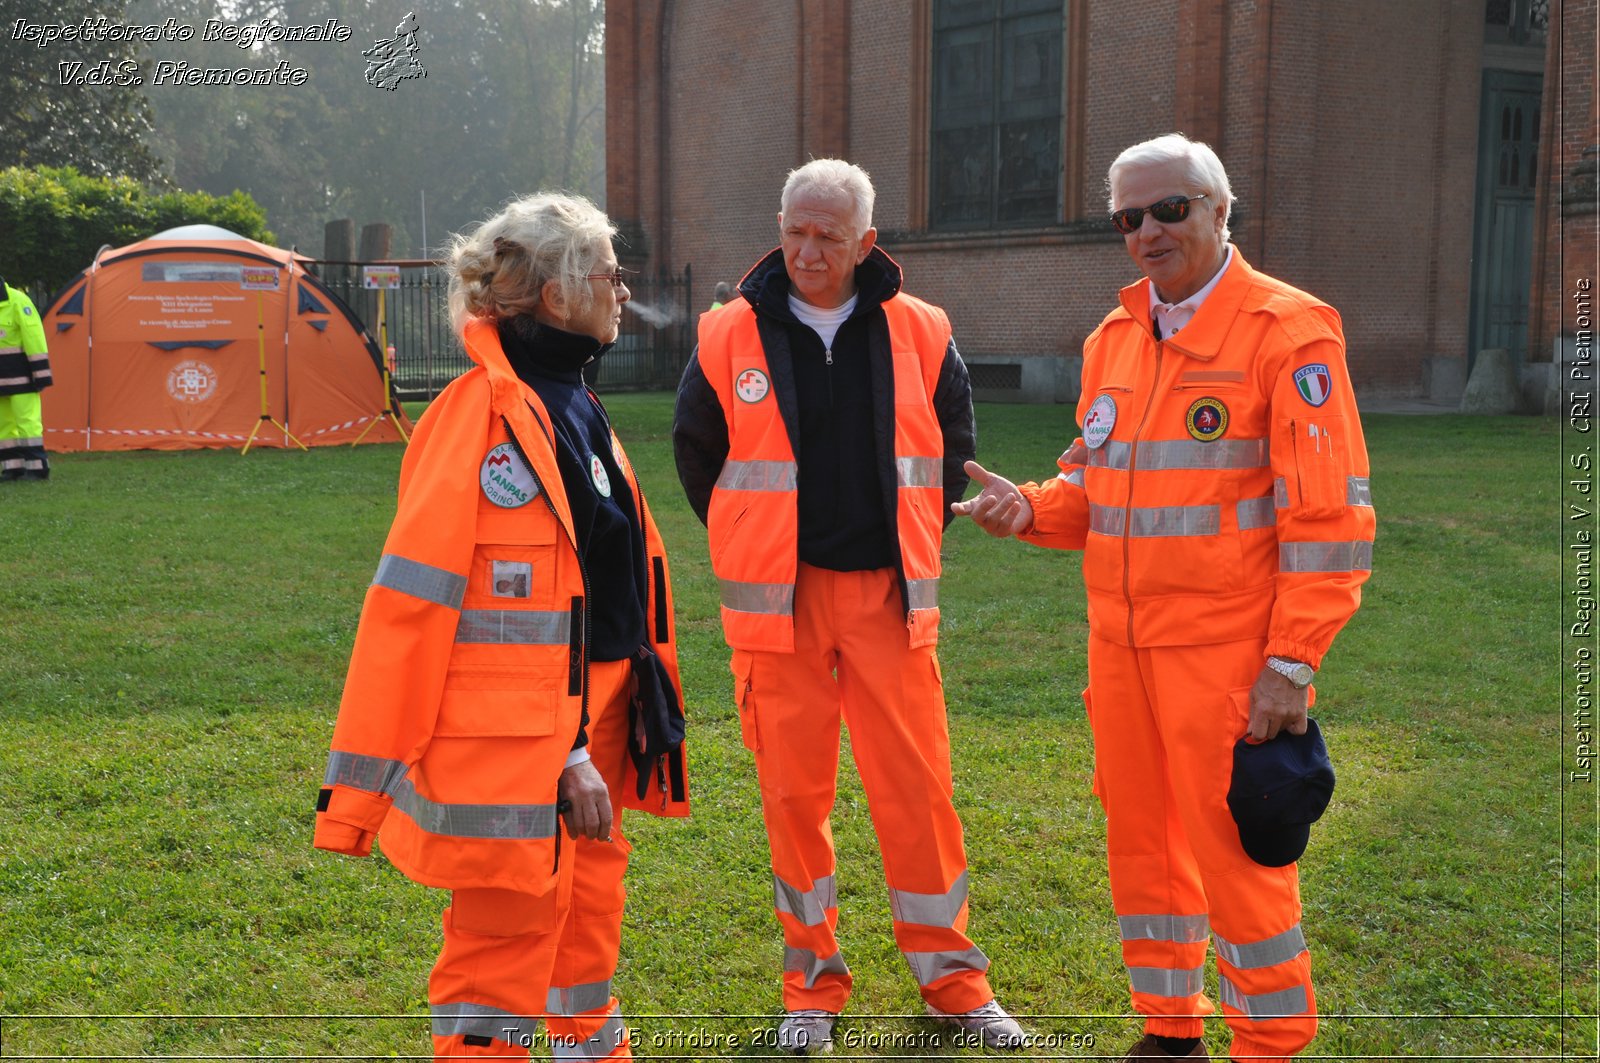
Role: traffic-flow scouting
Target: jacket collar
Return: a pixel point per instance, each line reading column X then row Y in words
column 525, row 414
column 1204, row 334
column 766, row 286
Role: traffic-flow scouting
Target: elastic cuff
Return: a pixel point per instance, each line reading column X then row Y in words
column 1297, row 651
column 577, row 756
column 1162, row 1026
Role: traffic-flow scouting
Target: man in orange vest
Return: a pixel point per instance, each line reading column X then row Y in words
column 1220, row 494
column 821, row 431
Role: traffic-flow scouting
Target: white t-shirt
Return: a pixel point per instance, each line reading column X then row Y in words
column 824, row 322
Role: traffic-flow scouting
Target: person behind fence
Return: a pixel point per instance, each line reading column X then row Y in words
column 515, row 667
column 820, row 432
column 1219, row 491
column 720, row 295
column 24, row 372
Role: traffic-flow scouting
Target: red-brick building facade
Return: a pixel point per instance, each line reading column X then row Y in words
column 1425, row 166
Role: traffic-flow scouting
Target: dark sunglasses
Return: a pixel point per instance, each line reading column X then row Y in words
column 1169, row 210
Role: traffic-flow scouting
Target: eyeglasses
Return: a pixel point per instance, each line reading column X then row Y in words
column 617, row 279
column 1169, row 210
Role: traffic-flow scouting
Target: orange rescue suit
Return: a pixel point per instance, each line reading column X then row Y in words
column 1225, row 514
column 1231, row 497
column 464, row 695
column 753, row 518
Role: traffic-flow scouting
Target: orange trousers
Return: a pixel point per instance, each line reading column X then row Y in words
column 511, row 959
column 1165, row 721
column 853, row 657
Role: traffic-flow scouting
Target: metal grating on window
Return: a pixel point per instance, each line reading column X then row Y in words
column 1003, row 376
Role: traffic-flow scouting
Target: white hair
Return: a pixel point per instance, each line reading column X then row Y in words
column 1202, row 169
column 498, row 270
column 831, row 177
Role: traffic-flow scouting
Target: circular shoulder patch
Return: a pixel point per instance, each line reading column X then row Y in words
column 752, row 385
column 597, row 473
column 506, row 481
column 1207, row 419
column 1098, row 422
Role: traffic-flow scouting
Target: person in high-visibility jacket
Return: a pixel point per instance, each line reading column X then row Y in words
column 820, row 433
column 515, row 666
column 1219, row 492
column 24, row 372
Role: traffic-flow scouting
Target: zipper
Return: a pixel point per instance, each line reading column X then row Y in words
column 1127, row 508
column 516, row 444
column 827, row 360
column 658, row 570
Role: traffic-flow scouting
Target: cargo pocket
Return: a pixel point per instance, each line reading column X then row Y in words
column 744, row 696
column 1319, row 466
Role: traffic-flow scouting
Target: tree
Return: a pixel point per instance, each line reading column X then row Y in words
column 51, row 119
column 56, row 220
column 512, row 102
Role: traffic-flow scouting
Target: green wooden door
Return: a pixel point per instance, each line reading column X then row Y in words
column 1508, row 146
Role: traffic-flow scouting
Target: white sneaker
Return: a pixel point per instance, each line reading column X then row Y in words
column 989, row 1021
column 807, row 1032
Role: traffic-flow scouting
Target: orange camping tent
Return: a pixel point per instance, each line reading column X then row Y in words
column 164, row 344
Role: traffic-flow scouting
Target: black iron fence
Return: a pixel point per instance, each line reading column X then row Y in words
column 656, row 338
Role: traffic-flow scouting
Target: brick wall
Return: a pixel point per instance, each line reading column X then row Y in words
column 1349, row 130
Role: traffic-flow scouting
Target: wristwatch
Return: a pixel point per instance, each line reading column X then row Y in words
column 1297, row 672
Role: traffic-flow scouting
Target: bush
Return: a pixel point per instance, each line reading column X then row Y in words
column 56, row 219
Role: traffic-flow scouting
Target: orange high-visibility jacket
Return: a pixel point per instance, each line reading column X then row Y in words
column 753, row 520
column 1231, row 495
column 470, row 671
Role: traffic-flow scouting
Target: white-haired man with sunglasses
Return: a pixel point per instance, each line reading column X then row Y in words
column 1219, row 492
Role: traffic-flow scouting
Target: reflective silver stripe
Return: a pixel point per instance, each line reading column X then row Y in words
column 15, row 381
column 420, row 581
column 1156, row 455
column 1184, row 929
column 758, row 476
column 453, row 1020
column 1075, row 477
column 1291, row 1001
column 40, row 357
column 1166, row 981
column 809, row 906
column 1325, row 557
column 929, row 909
column 505, row 822
column 1358, row 491
column 929, row 967
column 922, row 593
column 1280, row 948
column 508, row 626
column 774, row 599
column 10, row 350
column 376, row 774
column 919, row 472
column 1280, row 493
column 1110, row 456
column 601, row 1044
column 1154, row 521
column 577, row 999
column 1256, row 513
column 807, row 963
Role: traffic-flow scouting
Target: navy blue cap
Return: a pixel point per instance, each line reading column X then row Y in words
column 1279, row 789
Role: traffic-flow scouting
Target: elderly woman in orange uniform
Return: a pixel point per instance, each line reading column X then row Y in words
column 515, row 669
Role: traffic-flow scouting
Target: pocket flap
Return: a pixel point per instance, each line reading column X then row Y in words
column 502, row 702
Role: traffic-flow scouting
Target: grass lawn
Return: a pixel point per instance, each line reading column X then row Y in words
column 175, row 632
